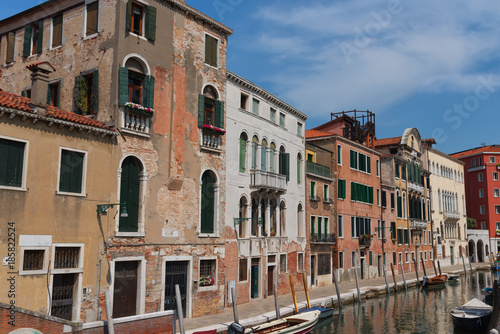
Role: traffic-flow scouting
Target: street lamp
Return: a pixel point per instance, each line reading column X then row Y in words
column 103, row 209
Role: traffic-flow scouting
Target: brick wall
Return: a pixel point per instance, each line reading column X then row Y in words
column 159, row 323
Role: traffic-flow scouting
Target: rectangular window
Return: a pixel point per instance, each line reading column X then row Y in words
column 492, row 159
column 393, row 230
column 361, row 193
column 353, row 259
column 400, row 236
column 384, row 198
column 340, row 224
column 313, row 225
column 430, row 255
column 71, row 171
column 255, row 106
column 67, row 258
column 87, row 93
column 341, row 259
column 53, row 94
column 92, row 18
column 360, row 161
column 313, row 190
column 495, row 176
column 339, row 154
column 282, row 263
column 407, row 258
column 378, row 197
column 13, row 163
column 282, row 119
column 370, row 258
column 208, row 272
column 403, row 173
column 273, row 115
column 300, row 262
column 392, row 200
column 481, row 209
column 243, row 272
column 407, row 237
column 497, row 209
column 299, row 128
column 320, row 225
column 496, row 192
column 11, row 42
column 57, row 31
column 378, row 167
column 137, row 19
column 325, row 193
column 396, row 170
column 33, row 259
column 480, row 177
column 325, row 225
column 211, row 50
column 481, row 193
column 341, row 188
column 394, row 258
column 244, row 101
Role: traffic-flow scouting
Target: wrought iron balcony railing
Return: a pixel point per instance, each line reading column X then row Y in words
column 314, row 168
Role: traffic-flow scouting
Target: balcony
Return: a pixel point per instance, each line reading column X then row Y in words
column 267, row 181
column 451, row 215
column 211, row 140
column 418, row 224
column 416, row 187
column 315, row 198
column 317, row 169
column 135, row 123
column 328, row 200
column 365, row 241
column 323, row 238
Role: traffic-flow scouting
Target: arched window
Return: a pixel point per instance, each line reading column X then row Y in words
column 282, row 218
column 263, row 208
column 243, row 152
column 273, row 214
column 129, row 194
column 210, row 108
column 284, row 163
column 272, row 151
column 255, row 144
column 300, row 221
column 208, row 202
column 135, row 83
column 439, row 199
column 242, row 214
column 299, row 169
column 404, row 205
column 263, row 155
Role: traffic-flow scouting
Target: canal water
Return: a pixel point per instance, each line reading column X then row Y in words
column 413, row 311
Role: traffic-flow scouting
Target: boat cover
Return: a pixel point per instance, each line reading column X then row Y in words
column 476, row 303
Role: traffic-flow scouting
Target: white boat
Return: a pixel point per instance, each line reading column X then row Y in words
column 296, row 324
column 473, row 316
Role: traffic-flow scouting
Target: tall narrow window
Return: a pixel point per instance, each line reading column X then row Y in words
column 12, row 156
column 92, row 18
column 86, row 93
column 282, row 119
column 129, row 194
column 57, row 31
column 299, row 128
column 255, row 106
column 243, row 101
column 299, row 169
column 211, row 50
column 263, row 155
column 71, row 170
column 243, row 152
column 340, row 226
column 137, row 19
column 271, row 158
column 255, row 144
column 273, row 115
column 339, row 154
column 11, row 41
column 208, row 202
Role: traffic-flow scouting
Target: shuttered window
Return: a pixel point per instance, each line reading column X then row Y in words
column 299, row 171
column 406, row 237
column 313, row 223
column 361, row 193
column 400, row 236
column 129, row 194
column 392, row 200
column 211, row 50
column 243, row 153
column 209, row 111
column 11, row 162
column 400, row 209
column 11, row 41
column 393, row 230
column 92, row 18
column 384, row 198
column 57, row 31
column 207, row 203
column 28, row 31
column 341, row 188
column 86, row 93
column 339, row 154
column 71, row 171
column 53, row 93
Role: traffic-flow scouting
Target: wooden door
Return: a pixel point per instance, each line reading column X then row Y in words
column 270, row 280
column 125, row 289
column 175, row 273
column 255, row 280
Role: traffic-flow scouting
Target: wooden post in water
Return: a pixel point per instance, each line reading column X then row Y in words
column 423, row 266
column 465, row 270
column 357, row 282
column 179, row 308
column 339, row 300
column 470, row 264
column 434, row 265
column 495, row 317
column 386, row 283
column 293, row 295
column 276, row 305
column 394, row 278
column 439, row 267
column 416, row 270
column 109, row 315
column 403, row 272
column 305, row 289
column 235, row 309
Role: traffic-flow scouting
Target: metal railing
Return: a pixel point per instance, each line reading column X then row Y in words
column 314, row 168
column 323, row 237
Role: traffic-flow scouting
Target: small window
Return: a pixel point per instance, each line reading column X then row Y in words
column 495, row 176
column 300, row 262
column 299, row 128
column 497, row 209
column 481, row 209
column 211, row 50
column 34, row 38
column 33, row 259
column 71, row 171
column 313, row 190
column 341, row 259
column 282, row 119
column 137, row 16
column 243, row 276
column 496, row 192
column 339, row 154
column 12, row 163
column 282, row 263
column 53, row 94
column 208, row 272
column 481, row 193
column 86, row 93
column 325, row 192
column 67, row 258
column 340, row 224
column 243, row 101
column 255, row 106
column 92, row 18
column 492, row 159
column 480, row 177
column 57, row 31
column 273, row 115
column 11, row 43
column 378, row 167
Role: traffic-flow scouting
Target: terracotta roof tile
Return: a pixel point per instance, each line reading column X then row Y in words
column 317, row 134
column 476, row 150
column 18, row 102
column 388, row 141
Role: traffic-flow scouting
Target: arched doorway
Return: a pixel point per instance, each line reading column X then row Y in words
column 480, row 254
column 472, row 247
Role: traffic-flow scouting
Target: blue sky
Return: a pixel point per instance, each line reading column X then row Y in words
column 427, row 64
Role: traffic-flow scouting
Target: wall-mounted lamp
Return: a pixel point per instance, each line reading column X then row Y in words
column 103, row 208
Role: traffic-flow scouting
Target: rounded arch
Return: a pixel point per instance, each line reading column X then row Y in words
column 300, row 219
column 210, row 87
column 213, row 172
column 209, row 202
column 133, row 59
column 244, row 134
column 480, row 251
column 137, row 157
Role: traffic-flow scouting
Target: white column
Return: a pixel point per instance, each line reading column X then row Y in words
column 268, row 218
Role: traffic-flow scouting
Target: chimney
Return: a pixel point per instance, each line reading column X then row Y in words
column 40, row 85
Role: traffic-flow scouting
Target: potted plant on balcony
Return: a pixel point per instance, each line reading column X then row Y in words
column 367, row 236
column 498, row 231
column 211, row 128
column 273, row 232
column 139, row 109
column 206, row 280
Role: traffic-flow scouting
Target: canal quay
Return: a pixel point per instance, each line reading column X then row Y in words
column 413, row 311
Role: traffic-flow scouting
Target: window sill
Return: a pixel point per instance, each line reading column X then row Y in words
column 55, row 47
column 90, row 36
column 138, row 36
column 62, row 193
column 13, row 188
column 67, row 271
column 212, row 66
column 130, row 234
column 207, row 235
column 214, row 287
column 32, row 272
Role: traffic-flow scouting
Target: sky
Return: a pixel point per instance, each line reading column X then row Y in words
column 427, row 64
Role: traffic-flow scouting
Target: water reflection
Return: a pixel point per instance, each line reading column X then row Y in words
column 413, row 311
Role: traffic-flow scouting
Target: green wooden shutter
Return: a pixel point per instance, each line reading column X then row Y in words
column 370, row 195
column 27, row 41
column 242, row 155
column 207, row 204
column 39, row 42
column 201, row 110
column 76, row 93
column 368, row 164
column 151, row 23
column 370, row 256
column 145, row 93
column 351, row 155
column 399, row 210
column 312, row 190
column 219, row 114
column 286, row 165
column 24, row 93
column 71, row 172
column 254, row 155
column 129, row 194
column 95, row 91
column 129, row 16
column 353, row 191
column 298, row 170
column 48, row 94
column 263, row 157
column 123, row 86
column 313, row 222
column 343, row 188
column 11, row 163
column 11, row 41
column 319, row 225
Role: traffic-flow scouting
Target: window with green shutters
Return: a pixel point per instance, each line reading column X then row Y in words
column 263, row 155
column 339, row 154
column 71, row 171
column 243, row 152
column 207, row 203
column 400, row 208
column 361, row 193
column 320, row 220
column 210, row 112
column 136, row 87
column 396, row 170
column 378, row 196
column 33, row 39
column 299, row 169
column 406, row 237
column 342, row 188
column 384, row 198
column 354, row 159
column 393, row 230
column 129, row 194
column 360, row 161
column 28, row 32
column 313, row 189
column 370, row 258
column 325, row 224
column 400, row 236
column 211, row 50
column 313, row 223
column 86, row 93
column 11, row 43
column 392, row 200
column 403, row 172
column 11, row 163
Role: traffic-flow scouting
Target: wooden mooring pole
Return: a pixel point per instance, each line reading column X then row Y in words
column 423, row 266
column 416, row 270
column 434, row 265
column 465, row 270
column 439, row 267
column 495, row 317
column 306, row 290
column 386, row 283
column 179, row 308
column 235, row 309
column 357, row 283
column 403, row 273
column 293, row 295
column 276, row 305
column 470, row 263
column 339, row 300
column 394, row 278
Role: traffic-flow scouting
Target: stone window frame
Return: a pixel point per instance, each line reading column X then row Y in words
column 215, row 286
column 25, row 164
column 218, row 39
column 299, row 269
column 45, row 266
column 285, row 265
column 83, row 192
column 84, row 24
column 217, row 205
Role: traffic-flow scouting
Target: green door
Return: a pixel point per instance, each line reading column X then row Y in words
column 451, row 255
column 207, row 203
column 129, row 194
column 255, row 281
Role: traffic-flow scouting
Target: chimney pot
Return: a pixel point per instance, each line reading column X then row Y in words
column 40, row 85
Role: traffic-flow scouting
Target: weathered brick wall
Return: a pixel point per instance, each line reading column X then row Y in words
column 157, row 325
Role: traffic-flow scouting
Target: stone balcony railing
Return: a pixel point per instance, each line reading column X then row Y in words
column 451, row 215
column 133, row 122
column 323, row 238
column 267, row 181
column 418, row 224
column 416, row 187
column 211, row 140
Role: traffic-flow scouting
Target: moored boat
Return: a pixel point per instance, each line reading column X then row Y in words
column 473, row 316
column 495, row 266
column 296, row 324
column 325, row 311
column 438, row 281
